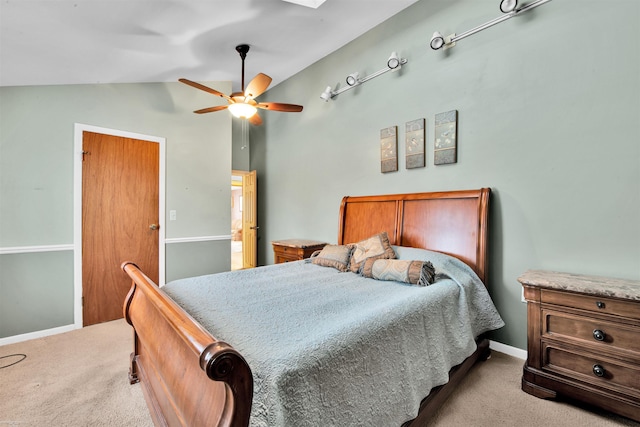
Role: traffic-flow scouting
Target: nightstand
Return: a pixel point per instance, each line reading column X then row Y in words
column 583, row 340
column 294, row 249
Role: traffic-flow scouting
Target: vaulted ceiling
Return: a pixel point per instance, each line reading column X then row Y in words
column 51, row 42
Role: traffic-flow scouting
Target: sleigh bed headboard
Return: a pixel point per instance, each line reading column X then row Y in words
column 453, row 222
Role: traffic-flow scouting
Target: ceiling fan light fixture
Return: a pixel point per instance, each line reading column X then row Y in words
column 242, row 104
column 242, row 110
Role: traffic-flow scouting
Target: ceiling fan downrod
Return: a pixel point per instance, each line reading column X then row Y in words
column 242, row 50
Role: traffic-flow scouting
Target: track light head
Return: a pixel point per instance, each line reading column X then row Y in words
column 326, row 95
column 507, row 6
column 437, row 41
column 352, row 79
column 394, row 62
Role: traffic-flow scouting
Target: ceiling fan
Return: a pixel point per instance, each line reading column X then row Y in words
column 242, row 104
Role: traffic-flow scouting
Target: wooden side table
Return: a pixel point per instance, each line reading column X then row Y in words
column 294, row 249
column 583, row 340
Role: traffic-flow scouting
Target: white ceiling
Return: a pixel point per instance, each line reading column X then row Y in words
column 51, row 42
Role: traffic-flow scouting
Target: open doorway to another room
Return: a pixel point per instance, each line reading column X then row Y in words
column 236, row 222
column 244, row 220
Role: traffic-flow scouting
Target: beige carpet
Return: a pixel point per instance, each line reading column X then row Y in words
column 80, row 379
column 490, row 396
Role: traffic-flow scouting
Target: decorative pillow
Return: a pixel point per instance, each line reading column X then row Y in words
column 336, row 256
column 415, row 272
column 376, row 247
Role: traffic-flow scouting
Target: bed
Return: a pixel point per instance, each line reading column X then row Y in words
column 190, row 377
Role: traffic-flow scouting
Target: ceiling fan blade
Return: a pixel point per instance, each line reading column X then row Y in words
column 257, row 86
column 204, row 88
column 255, row 119
column 278, row 106
column 211, row 109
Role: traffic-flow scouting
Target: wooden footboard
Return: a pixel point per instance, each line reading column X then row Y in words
column 187, row 375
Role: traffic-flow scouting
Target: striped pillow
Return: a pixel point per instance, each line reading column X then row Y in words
column 415, row 272
column 376, row 247
column 336, row 256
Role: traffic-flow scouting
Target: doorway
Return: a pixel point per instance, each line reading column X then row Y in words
column 236, row 223
column 120, row 217
column 244, row 227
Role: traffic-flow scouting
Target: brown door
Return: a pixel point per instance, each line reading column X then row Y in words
column 119, row 219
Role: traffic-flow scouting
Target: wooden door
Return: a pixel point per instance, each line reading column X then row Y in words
column 249, row 220
column 120, row 191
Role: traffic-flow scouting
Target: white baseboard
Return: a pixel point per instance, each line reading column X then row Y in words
column 509, row 350
column 38, row 334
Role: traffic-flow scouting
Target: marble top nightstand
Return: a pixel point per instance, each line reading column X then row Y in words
column 590, row 285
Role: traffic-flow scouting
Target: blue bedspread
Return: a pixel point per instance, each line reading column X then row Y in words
column 336, row 349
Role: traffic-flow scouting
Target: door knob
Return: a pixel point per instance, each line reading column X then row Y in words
column 154, row 227
column 255, row 227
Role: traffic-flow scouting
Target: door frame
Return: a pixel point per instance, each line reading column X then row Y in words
column 79, row 128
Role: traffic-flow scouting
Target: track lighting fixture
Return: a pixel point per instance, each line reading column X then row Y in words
column 437, row 41
column 393, row 63
column 508, row 7
column 352, row 79
column 327, row 94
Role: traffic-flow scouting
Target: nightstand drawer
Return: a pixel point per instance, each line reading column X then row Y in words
column 592, row 369
column 592, row 303
column 288, row 250
column 616, row 337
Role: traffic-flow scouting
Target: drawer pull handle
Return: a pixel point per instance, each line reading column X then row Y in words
column 598, row 370
column 598, row 335
column 599, row 304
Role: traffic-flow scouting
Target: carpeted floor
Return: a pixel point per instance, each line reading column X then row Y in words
column 491, row 396
column 79, row 378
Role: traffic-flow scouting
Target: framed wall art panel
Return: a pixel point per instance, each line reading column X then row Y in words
column 389, row 149
column 445, row 146
column 414, row 144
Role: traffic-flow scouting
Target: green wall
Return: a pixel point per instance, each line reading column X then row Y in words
column 549, row 118
column 36, row 187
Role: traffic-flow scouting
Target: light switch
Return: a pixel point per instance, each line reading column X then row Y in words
column 172, row 215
